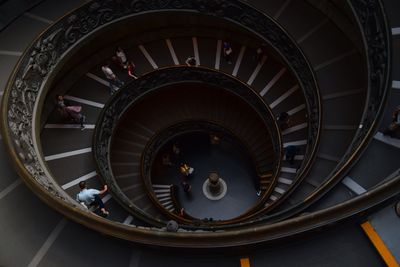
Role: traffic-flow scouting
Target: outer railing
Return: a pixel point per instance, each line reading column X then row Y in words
column 377, row 47
column 23, row 96
column 35, row 70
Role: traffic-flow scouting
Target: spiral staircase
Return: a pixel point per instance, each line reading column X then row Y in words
column 332, row 66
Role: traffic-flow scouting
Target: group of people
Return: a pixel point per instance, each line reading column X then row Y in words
column 227, row 53
column 120, row 59
column 261, row 52
column 184, row 169
column 74, row 112
column 91, row 197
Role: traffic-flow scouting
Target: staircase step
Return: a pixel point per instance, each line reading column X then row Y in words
column 161, row 186
column 162, row 195
column 166, row 203
column 164, row 198
column 285, row 181
column 161, row 191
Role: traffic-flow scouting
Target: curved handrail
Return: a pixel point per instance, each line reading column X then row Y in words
column 377, row 47
column 150, row 82
column 165, row 135
column 38, row 61
column 177, row 204
column 35, row 69
column 377, row 53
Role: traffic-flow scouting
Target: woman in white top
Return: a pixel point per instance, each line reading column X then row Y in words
column 113, row 80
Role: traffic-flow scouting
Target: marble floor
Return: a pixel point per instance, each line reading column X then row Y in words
column 228, row 158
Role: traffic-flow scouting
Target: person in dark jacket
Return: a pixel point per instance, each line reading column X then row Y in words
column 291, row 152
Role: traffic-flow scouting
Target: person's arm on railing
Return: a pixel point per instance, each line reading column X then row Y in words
column 105, row 188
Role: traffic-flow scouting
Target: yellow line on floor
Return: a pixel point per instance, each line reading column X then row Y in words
column 244, row 262
column 379, row 245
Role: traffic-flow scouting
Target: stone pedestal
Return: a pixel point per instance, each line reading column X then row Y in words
column 214, row 183
column 214, row 188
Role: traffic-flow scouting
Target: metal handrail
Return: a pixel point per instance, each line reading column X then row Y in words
column 22, row 98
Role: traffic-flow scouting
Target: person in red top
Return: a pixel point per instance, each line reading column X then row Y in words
column 131, row 69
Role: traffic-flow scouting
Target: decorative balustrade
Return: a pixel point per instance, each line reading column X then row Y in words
column 27, row 88
column 377, row 48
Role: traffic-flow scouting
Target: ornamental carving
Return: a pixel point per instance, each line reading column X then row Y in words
column 42, row 57
column 377, row 48
column 374, row 29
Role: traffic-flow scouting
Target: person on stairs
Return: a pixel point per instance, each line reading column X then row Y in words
column 187, row 188
column 283, row 121
column 114, row 82
column 393, row 127
column 91, row 197
column 191, row 61
column 290, row 153
column 131, row 68
column 71, row 112
column 227, row 52
column 121, row 57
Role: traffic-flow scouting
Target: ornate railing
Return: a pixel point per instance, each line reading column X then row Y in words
column 139, row 89
column 28, row 84
column 376, row 37
column 377, row 47
column 30, row 81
